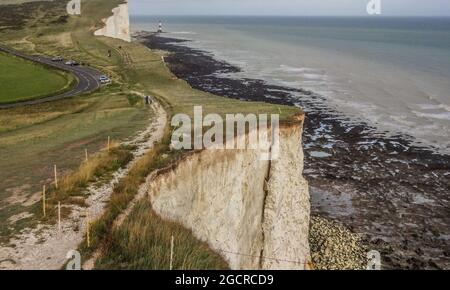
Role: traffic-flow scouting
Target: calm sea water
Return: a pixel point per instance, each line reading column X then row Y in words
column 393, row 73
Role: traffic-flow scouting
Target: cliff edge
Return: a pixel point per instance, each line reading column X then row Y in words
column 254, row 213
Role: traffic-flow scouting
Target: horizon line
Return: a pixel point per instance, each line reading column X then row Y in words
column 285, row 15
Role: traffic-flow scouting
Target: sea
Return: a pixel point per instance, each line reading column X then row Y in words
column 390, row 72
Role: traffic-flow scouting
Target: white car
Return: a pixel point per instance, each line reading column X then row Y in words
column 57, row 58
column 71, row 63
column 104, row 80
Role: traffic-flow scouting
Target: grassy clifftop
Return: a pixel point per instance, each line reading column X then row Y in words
column 58, row 133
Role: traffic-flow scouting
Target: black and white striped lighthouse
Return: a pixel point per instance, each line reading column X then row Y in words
column 160, row 29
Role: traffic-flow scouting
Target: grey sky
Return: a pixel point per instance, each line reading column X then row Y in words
column 286, row 7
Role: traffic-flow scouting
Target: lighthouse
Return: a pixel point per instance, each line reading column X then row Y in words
column 160, row 30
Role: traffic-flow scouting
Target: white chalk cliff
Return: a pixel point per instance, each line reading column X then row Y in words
column 254, row 213
column 117, row 25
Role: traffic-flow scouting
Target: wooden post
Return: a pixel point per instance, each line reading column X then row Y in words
column 88, row 225
column 43, row 200
column 171, row 253
column 86, row 155
column 109, row 141
column 56, row 177
column 59, row 216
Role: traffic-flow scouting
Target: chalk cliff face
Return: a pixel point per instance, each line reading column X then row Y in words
column 254, row 213
column 117, row 25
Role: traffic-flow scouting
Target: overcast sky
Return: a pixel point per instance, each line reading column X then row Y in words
column 286, row 7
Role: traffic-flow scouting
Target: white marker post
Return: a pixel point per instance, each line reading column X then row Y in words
column 171, row 253
column 88, row 225
column 43, row 200
column 59, row 216
column 56, row 176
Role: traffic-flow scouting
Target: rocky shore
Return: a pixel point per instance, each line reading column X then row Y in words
column 393, row 194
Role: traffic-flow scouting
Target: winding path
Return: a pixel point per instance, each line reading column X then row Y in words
column 87, row 79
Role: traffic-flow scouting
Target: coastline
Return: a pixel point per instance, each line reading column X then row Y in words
column 392, row 193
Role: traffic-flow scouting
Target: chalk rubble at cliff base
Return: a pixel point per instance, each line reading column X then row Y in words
column 334, row 247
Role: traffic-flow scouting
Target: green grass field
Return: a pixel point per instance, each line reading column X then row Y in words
column 23, row 80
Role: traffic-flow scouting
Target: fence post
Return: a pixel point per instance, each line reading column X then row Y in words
column 56, row 176
column 59, row 216
column 109, row 141
column 171, row 253
column 88, row 225
column 43, row 200
column 86, row 155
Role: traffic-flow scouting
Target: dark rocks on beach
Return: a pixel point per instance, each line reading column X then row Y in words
column 392, row 192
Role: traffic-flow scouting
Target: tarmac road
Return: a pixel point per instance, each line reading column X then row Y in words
column 87, row 79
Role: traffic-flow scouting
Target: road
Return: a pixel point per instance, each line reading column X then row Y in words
column 87, row 79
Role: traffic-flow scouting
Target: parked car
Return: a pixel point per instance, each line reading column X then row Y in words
column 104, row 80
column 71, row 63
column 57, row 58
